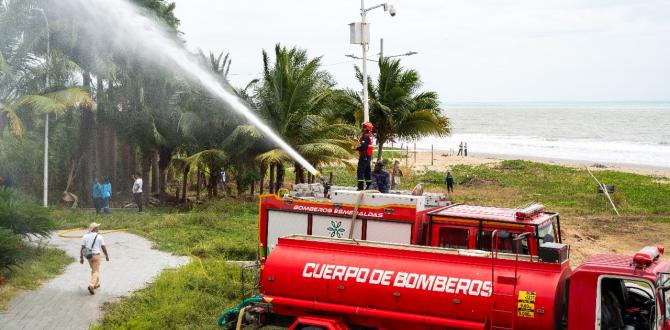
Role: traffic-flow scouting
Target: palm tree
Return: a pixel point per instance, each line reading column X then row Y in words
column 398, row 109
column 293, row 97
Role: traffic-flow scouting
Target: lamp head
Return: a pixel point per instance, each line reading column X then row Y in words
column 390, row 9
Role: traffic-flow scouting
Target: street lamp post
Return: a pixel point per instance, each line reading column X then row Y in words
column 45, row 201
column 364, row 45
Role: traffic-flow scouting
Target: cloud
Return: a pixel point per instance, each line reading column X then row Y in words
column 468, row 49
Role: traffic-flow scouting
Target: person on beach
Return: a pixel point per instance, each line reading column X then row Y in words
column 396, row 174
column 460, row 149
column 364, row 148
column 96, row 193
column 380, row 179
column 137, row 191
column 91, row 246
column 449, row 181
column 106, row 194
column 465, row 149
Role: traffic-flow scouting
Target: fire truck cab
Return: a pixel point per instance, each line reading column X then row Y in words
column 521, row 231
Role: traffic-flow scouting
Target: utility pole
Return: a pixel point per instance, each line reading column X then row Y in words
column 360, row 34
column 45, row 201
column 364, row 46
column 381, row 48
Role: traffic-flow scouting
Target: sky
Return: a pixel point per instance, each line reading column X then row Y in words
column 468, row 50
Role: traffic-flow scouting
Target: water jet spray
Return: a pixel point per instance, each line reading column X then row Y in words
column 124, row 25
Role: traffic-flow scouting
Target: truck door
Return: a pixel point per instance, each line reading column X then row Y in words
column 664, row 293
column 626, row 303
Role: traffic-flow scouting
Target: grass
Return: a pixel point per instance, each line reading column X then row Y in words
column 191, row 297
column 514, row 183
column 38, row 264
column 194, row 295
column 225, row 229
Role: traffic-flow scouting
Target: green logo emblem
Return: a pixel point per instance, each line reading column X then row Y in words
column 336, row 229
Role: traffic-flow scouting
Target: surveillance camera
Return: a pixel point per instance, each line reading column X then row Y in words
column 389, row 8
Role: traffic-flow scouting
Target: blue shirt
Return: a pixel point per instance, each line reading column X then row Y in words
column 97, row 190
column 106, row 190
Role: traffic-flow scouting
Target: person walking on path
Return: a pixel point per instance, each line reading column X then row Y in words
column 380, row 179
column 91, row 246
column 365, row 145
column 137, row 191
column 96, row 193
column 106, row 194
column 449, row 181
column 460, row 149
column 465, row 149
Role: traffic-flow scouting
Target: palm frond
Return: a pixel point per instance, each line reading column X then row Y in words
column 209, row 157
column 56, row 102
column 15, row 123
column 273, row 156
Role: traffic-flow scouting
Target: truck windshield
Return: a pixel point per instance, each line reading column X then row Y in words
column 547, row 234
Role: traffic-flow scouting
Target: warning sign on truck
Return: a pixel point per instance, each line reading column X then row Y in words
column 526, row 304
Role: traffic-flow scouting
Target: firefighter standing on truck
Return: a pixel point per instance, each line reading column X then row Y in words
column 364, row 156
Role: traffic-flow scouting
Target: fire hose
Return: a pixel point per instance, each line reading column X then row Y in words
column 236, row 313
column 63, row 233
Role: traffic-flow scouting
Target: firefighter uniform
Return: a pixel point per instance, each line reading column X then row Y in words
column 364, row 148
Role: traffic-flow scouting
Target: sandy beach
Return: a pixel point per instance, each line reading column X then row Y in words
column 441, row 160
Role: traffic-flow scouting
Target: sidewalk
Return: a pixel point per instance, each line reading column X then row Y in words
column 65, row 303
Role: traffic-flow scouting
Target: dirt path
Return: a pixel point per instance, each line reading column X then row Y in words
column 65, row 303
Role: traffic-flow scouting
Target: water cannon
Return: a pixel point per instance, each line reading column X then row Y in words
column 326, row 185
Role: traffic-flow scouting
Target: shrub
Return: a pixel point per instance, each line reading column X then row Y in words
column 19, row 218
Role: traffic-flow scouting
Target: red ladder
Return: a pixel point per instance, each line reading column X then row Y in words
column 503, row 295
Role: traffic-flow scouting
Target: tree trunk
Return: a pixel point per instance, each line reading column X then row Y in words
column 380, row 149
column 101, row 152
column 299, row 174
column 147, row 156
column 197, row 186
column 86, row 138
column 184, row 184
column 271, row 184
column 263, row 169
column 164, row 156
column 155, row 176
column 280, row 176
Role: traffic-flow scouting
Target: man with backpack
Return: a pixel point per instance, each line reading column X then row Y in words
column 91, row 246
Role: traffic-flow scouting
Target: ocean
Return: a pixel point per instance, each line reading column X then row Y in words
column 628, row 133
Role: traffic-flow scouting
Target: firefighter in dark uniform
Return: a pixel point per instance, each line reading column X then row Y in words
column 364, row 156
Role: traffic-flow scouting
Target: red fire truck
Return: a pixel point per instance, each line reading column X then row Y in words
column 459, row 267
column 341, row 284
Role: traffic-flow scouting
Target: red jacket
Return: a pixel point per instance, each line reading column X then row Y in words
column 365, row 144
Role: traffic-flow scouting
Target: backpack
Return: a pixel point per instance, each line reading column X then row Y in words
column 88, row 252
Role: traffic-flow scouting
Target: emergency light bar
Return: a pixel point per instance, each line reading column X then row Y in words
column 647, row 255
column 529, row 212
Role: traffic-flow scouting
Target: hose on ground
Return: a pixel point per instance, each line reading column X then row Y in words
column 63, row 233
column 234, row 313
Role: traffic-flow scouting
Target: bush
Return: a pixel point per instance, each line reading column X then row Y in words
column 19, row 218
